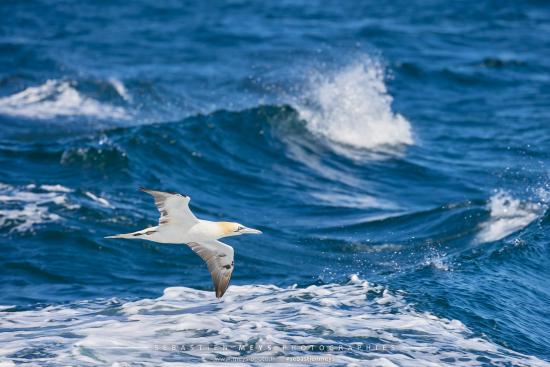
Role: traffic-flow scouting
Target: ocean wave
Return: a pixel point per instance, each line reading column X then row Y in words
column 366, row 324
column 437, row 260
column 58, row 98
column 98, row 199
column 501, row 62
column 508, row 215
column 343, row 200
column 353, row 107
column 231, row 140
column 95, row 154
column 23, row 208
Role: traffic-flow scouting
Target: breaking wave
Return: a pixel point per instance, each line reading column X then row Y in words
column 353, row 107
column 508, row 215
column 363, row 323
column 57, row 98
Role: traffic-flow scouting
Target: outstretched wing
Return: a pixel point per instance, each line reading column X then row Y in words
column 219, row 258
column 173, row 208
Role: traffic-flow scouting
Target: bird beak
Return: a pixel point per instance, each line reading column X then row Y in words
column 250, row 231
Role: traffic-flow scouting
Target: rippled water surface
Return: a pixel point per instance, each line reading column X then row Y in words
column 395, row 156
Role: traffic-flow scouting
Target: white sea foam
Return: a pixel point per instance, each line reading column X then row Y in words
column 508, row 215
column 385, row 329
column 121, row 89
column 353, row 201
column 353, row 107
column 55, row 188
column 57, row 98
column 99, row 199
column 23, row 208
column 377, row 248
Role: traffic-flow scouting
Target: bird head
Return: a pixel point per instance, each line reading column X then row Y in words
column 236, row 229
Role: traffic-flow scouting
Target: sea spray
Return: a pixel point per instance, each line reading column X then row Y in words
column 353, row 107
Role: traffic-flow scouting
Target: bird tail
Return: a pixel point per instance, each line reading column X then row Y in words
column 133, row 235
column 122, row 235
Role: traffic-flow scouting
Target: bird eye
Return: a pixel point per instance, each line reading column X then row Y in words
column 239, row 228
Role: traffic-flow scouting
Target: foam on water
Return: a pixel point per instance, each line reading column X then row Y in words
column 508, row 215
column 57, row 98
column 385, row 329
column 353, row 107
column 55, row 188
column 121, row 89
column 99, row 199
column 23, row 208
column 353, row 201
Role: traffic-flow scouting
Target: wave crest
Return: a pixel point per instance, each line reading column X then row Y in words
column 353, row 107
column 508, row 215
column 57, row 98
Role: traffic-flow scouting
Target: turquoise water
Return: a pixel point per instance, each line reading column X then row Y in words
column 395, row 157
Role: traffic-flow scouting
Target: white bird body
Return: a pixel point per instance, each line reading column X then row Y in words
column 178, row 225
column 204, row 230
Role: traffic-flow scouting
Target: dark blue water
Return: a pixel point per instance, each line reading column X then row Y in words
column 404, row 144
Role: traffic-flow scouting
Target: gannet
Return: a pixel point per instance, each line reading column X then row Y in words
column 178, row 225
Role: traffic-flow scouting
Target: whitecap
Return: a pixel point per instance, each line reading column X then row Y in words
column 353, row 107
column 104, row 202
column 56, row 188
column 121, row 89
column 508, row 215
column 23, row 208
column 370, row 322
column 57, row 98
column 362, row 201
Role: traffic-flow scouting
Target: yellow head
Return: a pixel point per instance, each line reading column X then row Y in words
column 228, row 229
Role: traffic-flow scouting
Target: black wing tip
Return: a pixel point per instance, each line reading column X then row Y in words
column 221, row 289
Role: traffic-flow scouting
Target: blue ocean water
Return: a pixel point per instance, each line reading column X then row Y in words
column 396, row 157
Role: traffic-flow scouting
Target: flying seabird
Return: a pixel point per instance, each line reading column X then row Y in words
column 178, row 225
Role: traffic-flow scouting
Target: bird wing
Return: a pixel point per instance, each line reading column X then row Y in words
column 219, row 258
column 173, row 208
